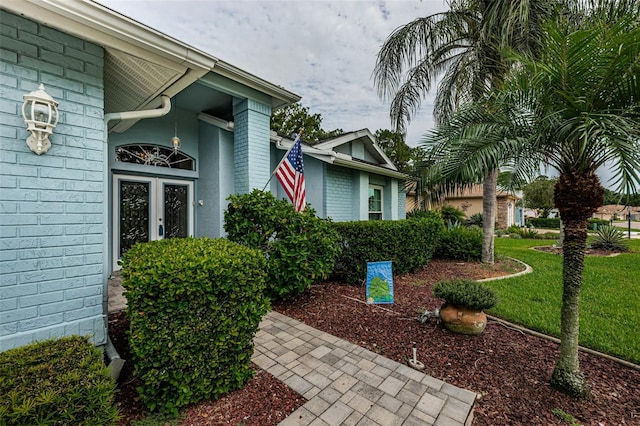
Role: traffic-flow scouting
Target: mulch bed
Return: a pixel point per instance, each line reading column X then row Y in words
column 508, row 368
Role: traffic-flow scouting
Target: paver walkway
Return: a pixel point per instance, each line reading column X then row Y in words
column 345, row 384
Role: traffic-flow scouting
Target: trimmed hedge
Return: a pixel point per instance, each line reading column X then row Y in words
column 194, row 307
column 56, row 382
column 544, row 222
column 409, row 244
column 300, row 248
column 554, row 223
column 460, row 243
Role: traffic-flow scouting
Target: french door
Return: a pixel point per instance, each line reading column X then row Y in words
column 149, row 208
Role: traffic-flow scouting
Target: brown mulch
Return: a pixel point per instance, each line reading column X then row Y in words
column 264, row 401
column 508, row 368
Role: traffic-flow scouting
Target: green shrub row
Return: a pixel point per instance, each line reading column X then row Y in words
column 56, row 382
column 300, row 247
column 544, row 222
column 409, row 244
column 554, row 223
column 194, row 307
column 460, row 243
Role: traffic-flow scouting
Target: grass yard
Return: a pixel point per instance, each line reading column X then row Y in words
column 609, row 303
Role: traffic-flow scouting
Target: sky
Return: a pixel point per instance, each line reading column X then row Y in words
column 323, row 51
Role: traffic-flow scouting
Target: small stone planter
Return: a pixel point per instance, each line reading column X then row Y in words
column 465, row 301
column 463, row 320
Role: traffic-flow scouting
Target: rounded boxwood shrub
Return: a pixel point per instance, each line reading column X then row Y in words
column 194, row 307
column 300, row 248
column 460, row 243
column 464, row 292
column 56, row 382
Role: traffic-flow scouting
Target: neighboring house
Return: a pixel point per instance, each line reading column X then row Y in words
column 470, row 202
column 113, row 176
column 617, row 212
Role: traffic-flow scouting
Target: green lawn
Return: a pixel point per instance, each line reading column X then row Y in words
column 609, row 303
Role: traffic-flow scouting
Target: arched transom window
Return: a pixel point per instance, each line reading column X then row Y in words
column 154, row 155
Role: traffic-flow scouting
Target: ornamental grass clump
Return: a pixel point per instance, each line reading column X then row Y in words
column 466, row 293
column 610, row 239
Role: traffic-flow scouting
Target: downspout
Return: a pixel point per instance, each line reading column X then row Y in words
column 115, row 362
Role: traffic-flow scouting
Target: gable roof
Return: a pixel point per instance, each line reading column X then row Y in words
column 324, row 151
column 364, row 136
column 140, row 63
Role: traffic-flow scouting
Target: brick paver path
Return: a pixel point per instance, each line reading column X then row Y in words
column 346, row 384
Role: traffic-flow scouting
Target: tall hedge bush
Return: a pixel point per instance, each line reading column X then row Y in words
column 460, row 243
column 194, row 307
column 56, row 382
column 300, row 248
column 409, row 244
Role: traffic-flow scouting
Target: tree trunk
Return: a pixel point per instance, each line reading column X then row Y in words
column 566, row 374
column 488, row 215
column 577, row 197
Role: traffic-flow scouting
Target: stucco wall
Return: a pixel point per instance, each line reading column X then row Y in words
column 52, row 207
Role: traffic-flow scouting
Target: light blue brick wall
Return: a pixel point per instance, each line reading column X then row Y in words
column 52, row 207
column 402, row 202
column 251, row 144
column 339, row 197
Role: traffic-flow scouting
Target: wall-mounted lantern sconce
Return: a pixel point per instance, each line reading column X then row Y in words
column 40, row 112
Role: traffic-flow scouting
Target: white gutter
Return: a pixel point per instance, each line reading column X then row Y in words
column 115, row 362
column 380, row 170
column 138, row 115
column 215, row 121
column 320, row 154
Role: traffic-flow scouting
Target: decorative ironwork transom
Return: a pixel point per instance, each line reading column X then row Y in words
column 154, row 155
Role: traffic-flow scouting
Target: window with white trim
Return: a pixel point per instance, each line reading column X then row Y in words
column 375, row 202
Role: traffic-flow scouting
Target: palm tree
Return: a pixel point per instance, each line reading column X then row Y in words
column 464, row 46
column 573, row 110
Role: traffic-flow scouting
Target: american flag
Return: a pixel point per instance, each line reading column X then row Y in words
column 290, row 173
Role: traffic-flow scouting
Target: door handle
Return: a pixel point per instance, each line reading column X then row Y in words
column 160, row 230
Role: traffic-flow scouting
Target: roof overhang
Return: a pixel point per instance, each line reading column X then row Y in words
column 140, row 63
column 327, row 155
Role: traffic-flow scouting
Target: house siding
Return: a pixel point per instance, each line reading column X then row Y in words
column 52, row 207
column 251, row 144
column 339, row 198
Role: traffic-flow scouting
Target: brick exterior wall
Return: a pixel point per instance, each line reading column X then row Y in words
column 52, row 207
column 251, row 145
column 339, row 196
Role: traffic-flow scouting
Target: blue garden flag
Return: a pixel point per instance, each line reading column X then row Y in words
column 379, row 282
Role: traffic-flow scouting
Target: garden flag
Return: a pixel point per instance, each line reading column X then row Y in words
column 290, row 173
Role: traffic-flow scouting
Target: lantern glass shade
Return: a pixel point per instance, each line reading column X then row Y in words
column 40, row 113
column 176, row 143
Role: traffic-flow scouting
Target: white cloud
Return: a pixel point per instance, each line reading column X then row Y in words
column 324, row 51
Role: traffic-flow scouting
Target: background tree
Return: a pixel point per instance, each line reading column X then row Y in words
column 394, row 146
column 290, row 119
column 464, row 47
column 539, row 195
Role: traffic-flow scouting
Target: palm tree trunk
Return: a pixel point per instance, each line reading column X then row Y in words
column 577, row 196
column 566, row 374
column 488, row 215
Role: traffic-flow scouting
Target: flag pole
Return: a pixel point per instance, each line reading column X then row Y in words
column 282, row 159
